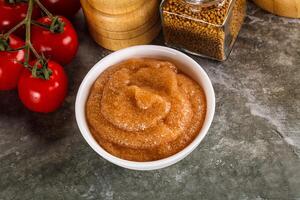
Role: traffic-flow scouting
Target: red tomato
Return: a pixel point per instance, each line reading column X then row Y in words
column 10, row 69
column 40, row 95
column 60, row 47
column 67, row 8
column 12, row 14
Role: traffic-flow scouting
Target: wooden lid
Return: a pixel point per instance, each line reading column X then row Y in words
column 116, row 6
column 286, row 8
column 113, row 44
column 122, row 22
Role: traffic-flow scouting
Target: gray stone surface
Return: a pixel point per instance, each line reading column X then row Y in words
column 252, row 150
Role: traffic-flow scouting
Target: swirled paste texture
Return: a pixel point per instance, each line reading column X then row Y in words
column 144, row 110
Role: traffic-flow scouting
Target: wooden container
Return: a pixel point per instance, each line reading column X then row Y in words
column 116, row 6
column 130, row 22
column 286, row 8
column 115, row 44
column 123, row 35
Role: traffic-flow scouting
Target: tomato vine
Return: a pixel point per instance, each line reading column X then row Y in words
column 57, row 26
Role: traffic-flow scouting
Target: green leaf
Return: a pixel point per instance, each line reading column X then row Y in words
column 57, row 25
column 42, row 72
column 4, row 44
column 34, row 69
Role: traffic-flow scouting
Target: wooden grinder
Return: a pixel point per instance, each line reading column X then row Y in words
column 116, row 24
column 286, row 8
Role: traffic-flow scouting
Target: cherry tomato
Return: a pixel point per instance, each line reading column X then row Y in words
column 67, row 8
column 10, row 68
column 40, row 95
column 60, row 47
column 12, row 14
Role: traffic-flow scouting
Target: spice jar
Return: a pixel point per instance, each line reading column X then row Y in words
column 206, row 28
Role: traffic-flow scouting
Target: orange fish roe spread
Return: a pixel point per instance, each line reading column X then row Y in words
column 145, row 109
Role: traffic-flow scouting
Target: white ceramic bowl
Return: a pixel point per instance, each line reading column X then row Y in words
column 183, row 62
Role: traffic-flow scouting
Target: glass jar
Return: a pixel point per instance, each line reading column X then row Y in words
column 206, row 28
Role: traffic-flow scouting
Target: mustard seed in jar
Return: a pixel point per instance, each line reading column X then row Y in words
column 206, row 28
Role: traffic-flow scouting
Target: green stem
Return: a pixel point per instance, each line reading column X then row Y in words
column 15, row 1
column 34, row 51
column 16, row 49
column 42, row 72
column 44, row 9
column 14, row 28
column 28, row 27
column 39, row 24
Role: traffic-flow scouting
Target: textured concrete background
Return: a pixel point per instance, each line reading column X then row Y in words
column 252, row 150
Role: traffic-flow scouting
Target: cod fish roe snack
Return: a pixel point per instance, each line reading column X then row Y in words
column 145, row 109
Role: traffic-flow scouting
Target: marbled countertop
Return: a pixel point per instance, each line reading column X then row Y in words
column 252, row 150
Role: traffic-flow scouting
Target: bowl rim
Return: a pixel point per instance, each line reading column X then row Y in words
column 98, row 68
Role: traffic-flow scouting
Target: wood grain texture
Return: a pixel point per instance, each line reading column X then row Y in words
column 123, row 35
column 122, row 22
column 116, row 6
column 114, row 44
column 286, row 8
column 117, row 31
